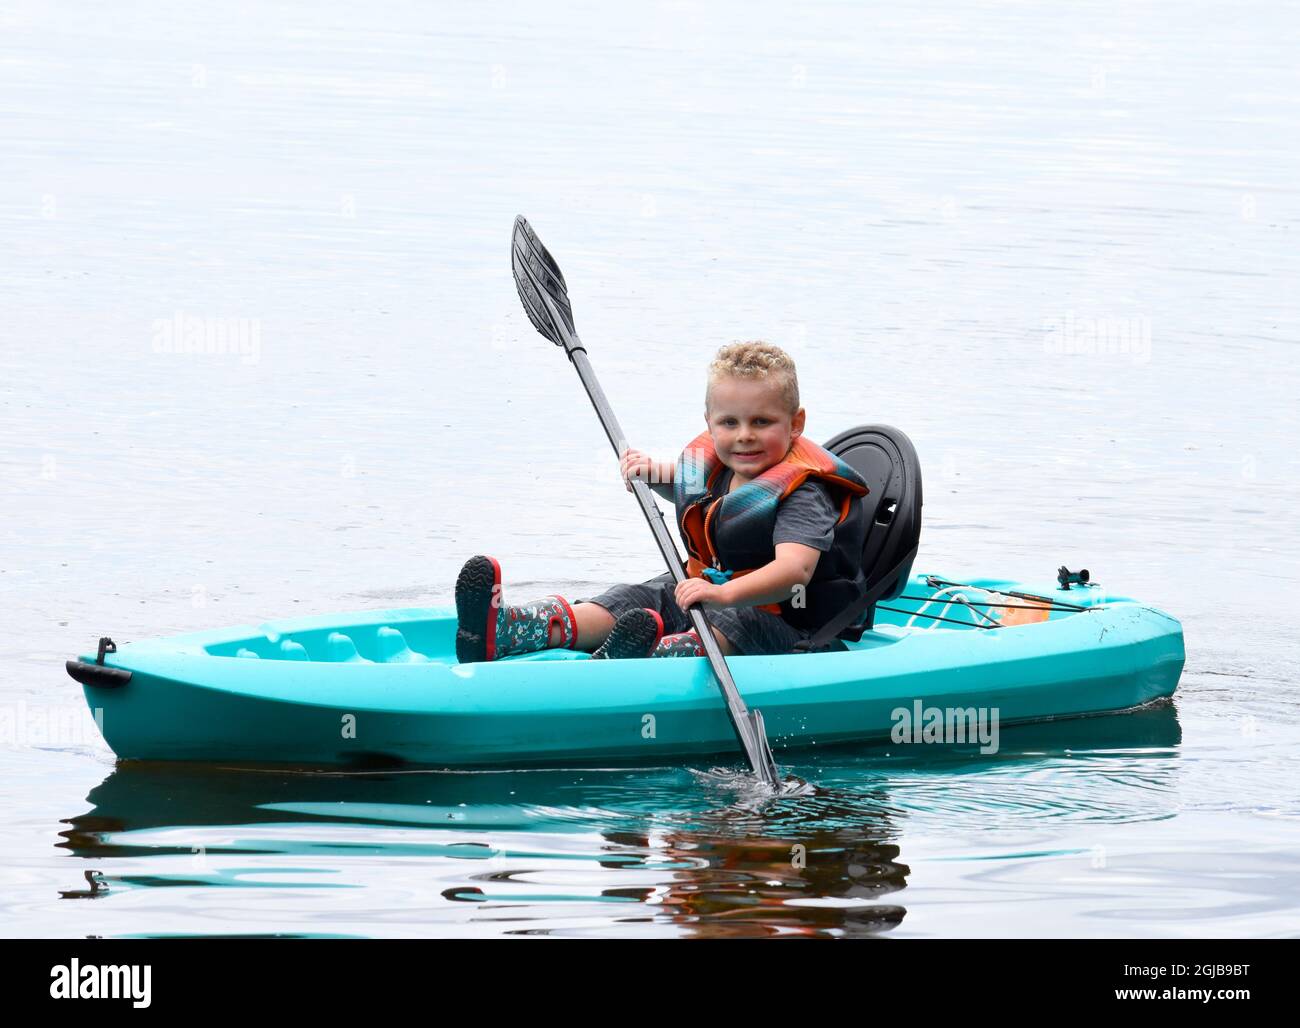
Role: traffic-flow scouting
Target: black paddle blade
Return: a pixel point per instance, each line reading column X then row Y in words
column 538, row 279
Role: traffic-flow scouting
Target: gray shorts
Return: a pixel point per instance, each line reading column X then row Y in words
column 749, row 630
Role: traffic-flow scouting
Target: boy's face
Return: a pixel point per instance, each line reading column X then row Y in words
column 751, row 426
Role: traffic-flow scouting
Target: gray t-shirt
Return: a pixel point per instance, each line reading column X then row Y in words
column 806, row 516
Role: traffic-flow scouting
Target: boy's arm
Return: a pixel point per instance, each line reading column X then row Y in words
column 772, row 583
column 662, row 483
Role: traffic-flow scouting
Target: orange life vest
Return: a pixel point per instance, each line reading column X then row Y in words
column 732, row 534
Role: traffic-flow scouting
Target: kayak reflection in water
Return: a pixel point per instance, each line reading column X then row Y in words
column 772, row 523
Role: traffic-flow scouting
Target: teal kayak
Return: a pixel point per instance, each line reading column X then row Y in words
column 382, row 688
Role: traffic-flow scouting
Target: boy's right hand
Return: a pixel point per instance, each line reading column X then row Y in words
column 636, row 464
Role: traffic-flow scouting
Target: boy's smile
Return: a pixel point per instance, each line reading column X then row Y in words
column 751, row 426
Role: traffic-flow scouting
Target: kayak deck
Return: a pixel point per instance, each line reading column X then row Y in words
column 427, row 635
column 383, row 687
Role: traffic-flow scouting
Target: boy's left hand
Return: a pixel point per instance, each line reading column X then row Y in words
column 697, row 590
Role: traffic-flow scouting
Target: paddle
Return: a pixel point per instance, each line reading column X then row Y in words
column 546, row 299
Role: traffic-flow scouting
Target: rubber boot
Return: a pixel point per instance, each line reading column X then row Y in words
column 683, row 644
column 488, row 629
column 634, row 634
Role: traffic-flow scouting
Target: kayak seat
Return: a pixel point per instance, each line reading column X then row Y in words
column 887, row 462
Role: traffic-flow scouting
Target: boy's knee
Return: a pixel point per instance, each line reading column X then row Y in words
column 724, row 644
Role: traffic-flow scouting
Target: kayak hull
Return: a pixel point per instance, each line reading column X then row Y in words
column 375, row 689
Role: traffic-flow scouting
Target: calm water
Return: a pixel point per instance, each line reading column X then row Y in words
column 1058, row 247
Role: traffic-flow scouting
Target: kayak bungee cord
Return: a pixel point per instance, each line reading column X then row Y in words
column 937, row 617
column 545, row 297
column 957, row 598
column 1042, row 603
column 935, row 582
column 1012, row 606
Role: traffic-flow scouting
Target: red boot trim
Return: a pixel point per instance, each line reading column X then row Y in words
column 659, row 627
column 493, row 606
column 571, row 632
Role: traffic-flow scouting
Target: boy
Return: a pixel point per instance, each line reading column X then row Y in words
column 771, row 523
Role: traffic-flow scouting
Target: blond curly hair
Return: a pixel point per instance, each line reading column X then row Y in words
column 760, row 361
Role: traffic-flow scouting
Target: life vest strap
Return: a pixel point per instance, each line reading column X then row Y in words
column 694, row 569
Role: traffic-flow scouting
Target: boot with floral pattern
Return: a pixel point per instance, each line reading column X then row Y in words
column 682, row 644
column 488, row 629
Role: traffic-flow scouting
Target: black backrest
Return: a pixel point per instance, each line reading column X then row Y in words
column 887, row 460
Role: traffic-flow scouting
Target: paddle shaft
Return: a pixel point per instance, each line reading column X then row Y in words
column 544, row 295
column 746, row 728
